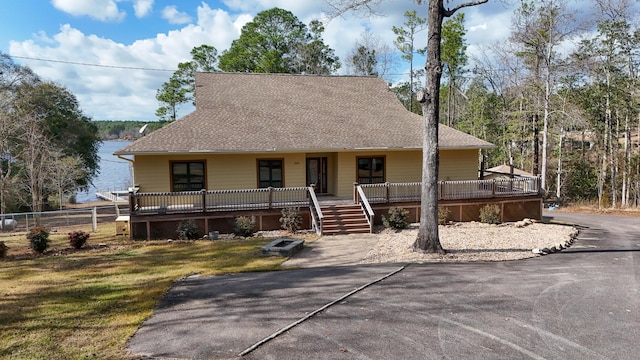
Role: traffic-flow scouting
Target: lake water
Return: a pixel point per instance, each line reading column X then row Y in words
column 115, row 173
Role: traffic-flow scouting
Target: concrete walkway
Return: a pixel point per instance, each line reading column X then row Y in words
column 337, row 250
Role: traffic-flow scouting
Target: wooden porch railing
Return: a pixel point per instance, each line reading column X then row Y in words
column 217, row 200
column 278, row 198
column 453, row 190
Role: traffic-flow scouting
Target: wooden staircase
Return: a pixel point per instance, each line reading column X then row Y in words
column 344, row 219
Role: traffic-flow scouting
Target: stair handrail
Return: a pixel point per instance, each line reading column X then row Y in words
column 366, row 207
column 315, row 210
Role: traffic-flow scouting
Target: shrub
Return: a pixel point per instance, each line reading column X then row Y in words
column 490, row 214
column 38, row 239
column 443, row 215
column 291, row 219
column 187, row 230
column 78, row 238
column 245, row 226
column 398, row 218
column 3, row 249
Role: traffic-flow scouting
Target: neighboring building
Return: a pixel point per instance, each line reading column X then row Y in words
column 273, row 130
column 505, row 171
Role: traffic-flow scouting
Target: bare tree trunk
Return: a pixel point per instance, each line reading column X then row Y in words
column 626, row 169
column 559, row 174
column 449, row 104
column 536, row 147
column 428, row 238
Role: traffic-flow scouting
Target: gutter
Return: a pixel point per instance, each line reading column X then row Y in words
column 124, row 158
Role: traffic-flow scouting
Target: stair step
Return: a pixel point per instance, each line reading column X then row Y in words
column 347, row 217
column 345, row 225
column 344, row 219
column 345, row 232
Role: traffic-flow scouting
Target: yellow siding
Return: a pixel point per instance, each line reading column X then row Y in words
column 224, row 172
column 239, row 171
column 404, row 166
column 459, row 165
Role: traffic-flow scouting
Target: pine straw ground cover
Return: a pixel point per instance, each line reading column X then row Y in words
column 72, row 304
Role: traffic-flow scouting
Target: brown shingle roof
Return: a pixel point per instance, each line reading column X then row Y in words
column 245, row 112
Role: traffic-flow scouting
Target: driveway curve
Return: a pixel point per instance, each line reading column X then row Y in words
column 581, row 303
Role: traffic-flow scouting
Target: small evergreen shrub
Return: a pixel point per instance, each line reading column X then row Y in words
column 38, row 239
column 187, row 230
column 3, row 249
column 245, row 226
column 78, row 238
column 398, row 218
column 443, row 215
column 490, row 214
column 291, row 220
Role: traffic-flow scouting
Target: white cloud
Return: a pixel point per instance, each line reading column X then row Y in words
column 115, row 93
column 173, row 16
column 142, row 7
column 103, row 10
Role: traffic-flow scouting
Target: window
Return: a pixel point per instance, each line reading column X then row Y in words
column 370, row 170
column 270, row 173
column 187, row 176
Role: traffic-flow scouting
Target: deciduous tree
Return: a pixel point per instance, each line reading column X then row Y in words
column 370, row 56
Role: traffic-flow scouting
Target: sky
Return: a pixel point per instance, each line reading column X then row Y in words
column 115, row 54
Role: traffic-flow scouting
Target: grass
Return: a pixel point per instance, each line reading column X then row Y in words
column 591, row 207
column 85, row 304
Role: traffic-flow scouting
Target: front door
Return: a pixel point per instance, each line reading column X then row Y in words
column 317, row 173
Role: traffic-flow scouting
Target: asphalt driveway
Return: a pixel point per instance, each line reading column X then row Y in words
column 581, row 303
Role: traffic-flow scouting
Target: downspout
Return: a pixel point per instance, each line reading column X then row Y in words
column 133, row 173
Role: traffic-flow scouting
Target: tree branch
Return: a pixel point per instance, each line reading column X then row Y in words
column 450, row 12
column 340, row 7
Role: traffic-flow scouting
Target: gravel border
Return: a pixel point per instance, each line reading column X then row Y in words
column 474, row 241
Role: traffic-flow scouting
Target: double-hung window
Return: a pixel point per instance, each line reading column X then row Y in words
column 187, row 175
column 371, row 170
column 270, row 173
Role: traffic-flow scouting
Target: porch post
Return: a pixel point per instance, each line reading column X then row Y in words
column 203, row 192
column 387, row 191
column 132, row 202
column 356, row 200
column 270, row 196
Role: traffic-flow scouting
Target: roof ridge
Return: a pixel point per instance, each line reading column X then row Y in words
column 289, row 74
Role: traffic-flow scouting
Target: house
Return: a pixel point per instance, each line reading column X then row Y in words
column 259, row 130
column 273, row 131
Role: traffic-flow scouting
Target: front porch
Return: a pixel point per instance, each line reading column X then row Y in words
column 156, row 215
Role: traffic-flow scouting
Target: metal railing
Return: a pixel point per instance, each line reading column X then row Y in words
column 453, row 190
column 366, row 207
column 141, row 203
column 316, row 212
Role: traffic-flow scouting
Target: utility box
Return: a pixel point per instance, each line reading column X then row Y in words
column 122, row 225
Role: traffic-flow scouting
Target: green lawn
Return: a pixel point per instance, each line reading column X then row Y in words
column 85, row 304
